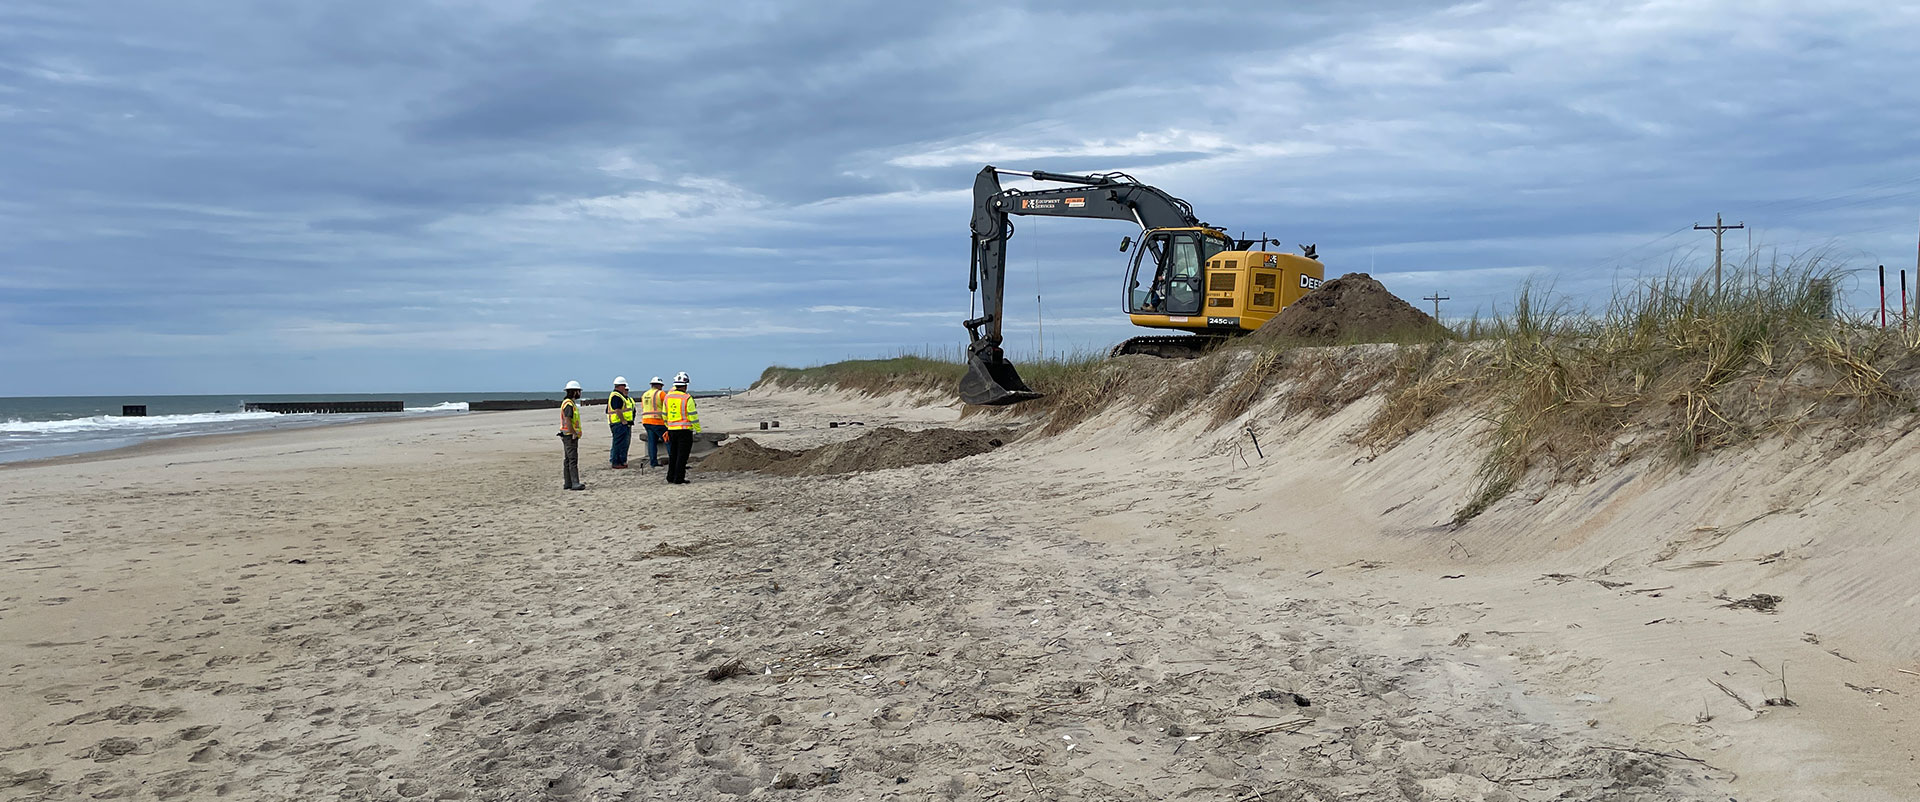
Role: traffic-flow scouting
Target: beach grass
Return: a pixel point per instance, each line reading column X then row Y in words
column 1683, row 366
column 1069, row 374
column 1670, row 366
column 901, row 373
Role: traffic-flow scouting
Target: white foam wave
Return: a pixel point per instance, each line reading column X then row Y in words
column 444, row 406
column 115, row 423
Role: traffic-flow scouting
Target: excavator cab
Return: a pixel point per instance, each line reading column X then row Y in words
column 1165, row 277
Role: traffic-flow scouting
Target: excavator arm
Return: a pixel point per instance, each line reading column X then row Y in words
column 991, row 379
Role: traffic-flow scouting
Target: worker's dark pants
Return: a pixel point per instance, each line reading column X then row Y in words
column 622, row 435
column 654, row 430
column 570, row 464
column 679, row 446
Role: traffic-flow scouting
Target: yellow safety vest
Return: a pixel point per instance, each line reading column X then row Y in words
column 680, row 413
column 650, row 410
column 570, row 417
column 622, row 415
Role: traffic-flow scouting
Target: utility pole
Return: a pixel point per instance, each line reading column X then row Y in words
column 1718, row 228
column 1436, row 298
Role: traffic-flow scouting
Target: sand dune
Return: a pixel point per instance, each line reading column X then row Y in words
column 1121, row 611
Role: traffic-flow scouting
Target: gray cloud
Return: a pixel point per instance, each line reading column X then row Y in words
column 430, row 196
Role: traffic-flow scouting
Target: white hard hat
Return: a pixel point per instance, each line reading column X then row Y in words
column 573, row 385
column 680, row 378
column 619, row 380
column 656, row 380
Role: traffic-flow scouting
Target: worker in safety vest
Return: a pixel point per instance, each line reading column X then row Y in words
column 653, row 419
column 620, row 420
column 682, row 421
column 570, row 432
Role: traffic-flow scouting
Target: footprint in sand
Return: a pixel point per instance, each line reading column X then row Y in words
column 113, row 749
column 126, row 714
column 31, row 779
column 175, row 786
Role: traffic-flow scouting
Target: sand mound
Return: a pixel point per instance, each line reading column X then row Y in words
column 1351, row 308
column 877, row 450
column 746, row 455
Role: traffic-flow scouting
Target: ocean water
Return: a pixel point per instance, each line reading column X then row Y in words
column 52, row 426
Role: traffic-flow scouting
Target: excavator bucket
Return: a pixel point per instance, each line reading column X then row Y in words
column 993, row 383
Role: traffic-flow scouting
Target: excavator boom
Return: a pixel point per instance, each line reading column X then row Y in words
column 991, row 379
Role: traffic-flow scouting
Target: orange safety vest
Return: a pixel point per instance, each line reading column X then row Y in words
column 622, row 415
column 570, row 417
column 680, row 413
column 651, row 411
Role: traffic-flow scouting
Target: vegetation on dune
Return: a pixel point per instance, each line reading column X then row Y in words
column 904, row 373
column 1669, row 368
column 1076, row 387
column 1070, row 381
column 1677, row 368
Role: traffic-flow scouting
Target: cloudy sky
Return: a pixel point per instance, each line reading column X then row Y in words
column 367, row 195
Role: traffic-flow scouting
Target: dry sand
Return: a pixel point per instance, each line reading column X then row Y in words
column 415, row 610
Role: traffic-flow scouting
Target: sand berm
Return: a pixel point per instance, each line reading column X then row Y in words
column 1135, row 606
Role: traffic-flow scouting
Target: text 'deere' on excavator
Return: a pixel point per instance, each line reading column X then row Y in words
column 1183, row 274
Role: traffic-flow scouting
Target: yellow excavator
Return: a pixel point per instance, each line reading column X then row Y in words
column 1182, row 274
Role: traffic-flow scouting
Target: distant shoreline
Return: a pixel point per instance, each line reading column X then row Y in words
column 186, row 442
column 69, row 429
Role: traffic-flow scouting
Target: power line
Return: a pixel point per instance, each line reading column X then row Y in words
column 1655, row 241
column 1855, row 203
column 1436, row 298
column 1805, row 201
column 1790, row 209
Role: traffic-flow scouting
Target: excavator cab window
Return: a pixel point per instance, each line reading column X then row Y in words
column 1166, row 277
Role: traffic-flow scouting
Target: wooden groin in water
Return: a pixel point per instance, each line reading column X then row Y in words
column 509, row 405
column 286, row 407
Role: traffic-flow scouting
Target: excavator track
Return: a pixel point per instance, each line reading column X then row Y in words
column 1179, row 346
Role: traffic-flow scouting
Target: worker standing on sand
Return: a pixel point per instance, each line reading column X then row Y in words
column 620, row 420
column 570, row 438
column 682, row 421
column 653, row 419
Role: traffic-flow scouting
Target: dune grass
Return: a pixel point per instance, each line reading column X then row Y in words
column 1076, row 386
column 1074, row 383
column 904, row 373
column 1684, row 367
column 1671, row 367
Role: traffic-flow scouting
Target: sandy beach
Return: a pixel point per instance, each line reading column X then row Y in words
column 416, row 610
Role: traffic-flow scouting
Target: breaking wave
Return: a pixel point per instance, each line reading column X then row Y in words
column 114, row 424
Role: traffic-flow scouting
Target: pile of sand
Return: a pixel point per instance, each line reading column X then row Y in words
column 746, row 455
column 1351, row 308
column 882, row 448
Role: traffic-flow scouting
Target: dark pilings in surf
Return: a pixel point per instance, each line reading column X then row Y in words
column 326, row 406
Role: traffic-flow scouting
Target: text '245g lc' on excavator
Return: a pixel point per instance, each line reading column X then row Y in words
column 1183, row 274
